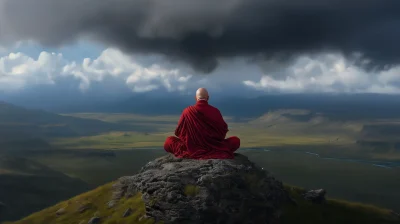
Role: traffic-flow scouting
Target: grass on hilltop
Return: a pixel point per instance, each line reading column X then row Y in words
column 333, row 212
column 96, row 201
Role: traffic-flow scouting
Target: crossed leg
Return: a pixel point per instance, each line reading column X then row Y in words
column 233, row 143
column 175, row 146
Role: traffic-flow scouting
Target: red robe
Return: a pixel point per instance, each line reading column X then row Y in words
column 201, row 134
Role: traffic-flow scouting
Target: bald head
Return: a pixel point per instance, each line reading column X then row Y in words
column 202, row 94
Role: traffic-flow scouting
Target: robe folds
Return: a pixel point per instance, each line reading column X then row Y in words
column 201, row 133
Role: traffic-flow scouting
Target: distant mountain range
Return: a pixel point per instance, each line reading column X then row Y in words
column 336, row 106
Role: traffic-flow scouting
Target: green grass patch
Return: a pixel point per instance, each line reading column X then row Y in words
column 96, row 203
column 125, row 117
column 114, row 140
column 333, row 212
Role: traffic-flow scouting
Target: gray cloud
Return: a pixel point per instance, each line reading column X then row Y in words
column 199, row 32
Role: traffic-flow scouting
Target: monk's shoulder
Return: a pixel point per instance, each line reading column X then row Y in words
column 187, row 109
column 213, row 108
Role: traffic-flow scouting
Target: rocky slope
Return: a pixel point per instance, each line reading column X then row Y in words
column 208, row 191
column 171, row 190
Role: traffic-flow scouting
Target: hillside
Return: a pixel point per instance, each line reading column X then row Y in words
column 27, row 186
column 130, row 198
column 333, row 212
column 17, row 123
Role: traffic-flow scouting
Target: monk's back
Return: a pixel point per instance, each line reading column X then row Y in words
column 201, row 133
column 208, row 111
column 205, row 127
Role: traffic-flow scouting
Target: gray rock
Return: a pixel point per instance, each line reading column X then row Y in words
column 82, row 208
column 94, row 220
column 206, row 191
column 96, row 214
column 316, row 196
column 142, row 217
column 395, row 213
column 127, row 212
column 60, row 211
column 111, row 203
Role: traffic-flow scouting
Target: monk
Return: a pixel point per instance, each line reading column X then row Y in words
column 201, row 133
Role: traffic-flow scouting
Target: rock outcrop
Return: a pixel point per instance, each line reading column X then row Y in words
column 205, row 191
column 316, row 196
column 395, row 213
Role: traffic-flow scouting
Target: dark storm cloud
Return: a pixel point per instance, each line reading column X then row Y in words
column 200, row 31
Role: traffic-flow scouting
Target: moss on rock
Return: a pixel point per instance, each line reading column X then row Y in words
column 191, row 190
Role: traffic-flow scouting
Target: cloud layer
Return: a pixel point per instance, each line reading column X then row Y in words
column 113, row 69
column 200, row 32
column 18, row 71
column 329, row 73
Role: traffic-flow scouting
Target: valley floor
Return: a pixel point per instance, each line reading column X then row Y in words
column 313, row 153
column 356, row 139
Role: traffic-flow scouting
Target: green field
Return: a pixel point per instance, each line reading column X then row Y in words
column 283, row 128
column 253, row 133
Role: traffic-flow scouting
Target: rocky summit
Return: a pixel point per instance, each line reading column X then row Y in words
column 183, row 191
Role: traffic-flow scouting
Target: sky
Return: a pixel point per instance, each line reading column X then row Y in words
column 116, row 48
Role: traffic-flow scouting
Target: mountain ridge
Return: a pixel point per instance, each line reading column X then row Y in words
column 336, row 106
column 18, row 123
